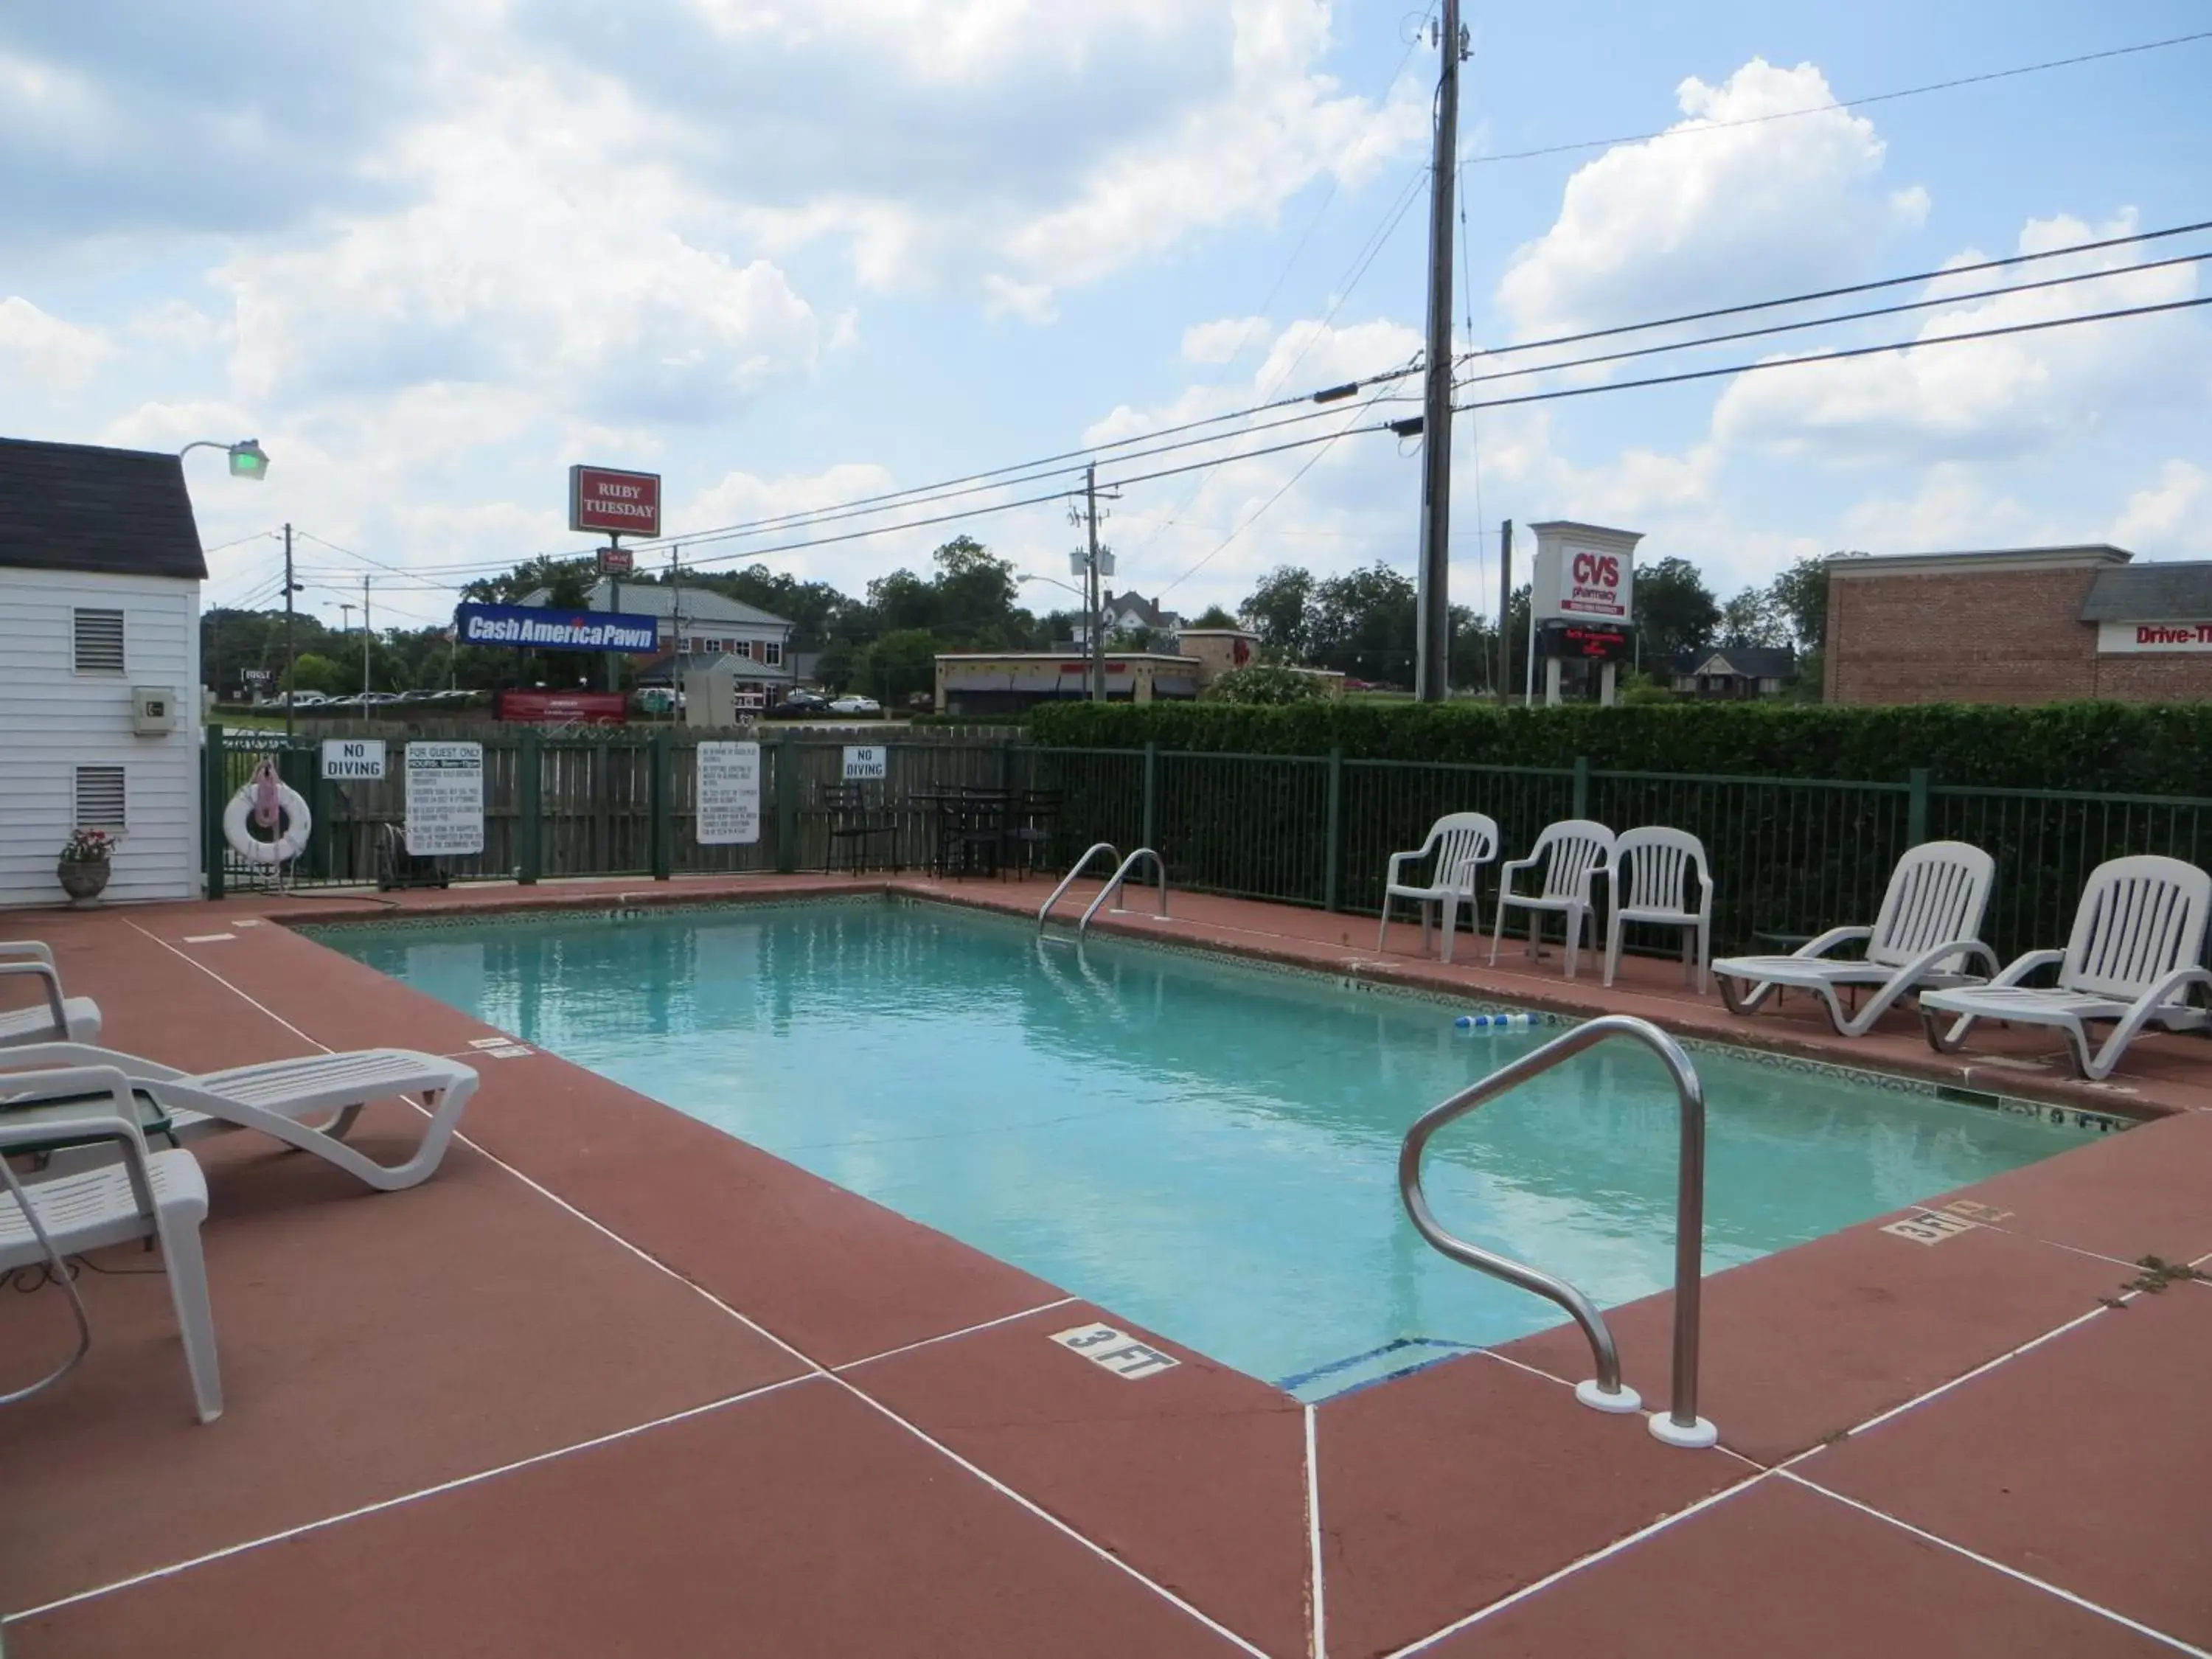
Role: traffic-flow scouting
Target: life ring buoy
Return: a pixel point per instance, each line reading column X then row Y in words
column 250, row 846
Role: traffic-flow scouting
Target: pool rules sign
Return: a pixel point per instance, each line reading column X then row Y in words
column 729, row 794
column 445, row 799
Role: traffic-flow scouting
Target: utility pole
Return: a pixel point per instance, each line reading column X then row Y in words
column 291, row 655
column 1505, row 609
column 675, row 628
column 1433, row 656
column 1088, row 565
column 364, row 635
column 614, row 604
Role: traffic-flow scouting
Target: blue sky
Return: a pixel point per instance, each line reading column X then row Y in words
column 789, row 254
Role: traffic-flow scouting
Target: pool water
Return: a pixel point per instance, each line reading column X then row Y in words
column 1206, row 1147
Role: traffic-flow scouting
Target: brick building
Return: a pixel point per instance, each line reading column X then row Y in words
column 2023, row 625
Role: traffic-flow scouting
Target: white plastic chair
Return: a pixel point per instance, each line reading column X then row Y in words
column 1928, row 930
column 1574, row 853
column 2136, row 951
column 161, row 1194
column 1463, row 843
column 60, row 1020
column 278, row 1097
column 1651, row 873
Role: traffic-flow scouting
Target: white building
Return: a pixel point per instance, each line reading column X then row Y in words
column 99, row 707
column 698, row 627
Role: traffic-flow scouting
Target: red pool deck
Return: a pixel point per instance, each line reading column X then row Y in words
column 614, row 1383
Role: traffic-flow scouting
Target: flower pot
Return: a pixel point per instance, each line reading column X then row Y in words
column 82, row 879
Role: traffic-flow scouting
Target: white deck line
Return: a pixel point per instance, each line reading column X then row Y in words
column 1319, row 1646
column 2044, row 1584
column 1573, row 1567
column 951, row 1336
column 383, row 1504
column 814, row 1366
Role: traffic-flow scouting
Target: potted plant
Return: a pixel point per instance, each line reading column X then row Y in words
column 85, row 864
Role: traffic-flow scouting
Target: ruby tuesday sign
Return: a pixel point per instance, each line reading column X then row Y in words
column 614, row 503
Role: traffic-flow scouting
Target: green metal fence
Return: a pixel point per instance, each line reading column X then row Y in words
column 1790, row 856
column 626, row 804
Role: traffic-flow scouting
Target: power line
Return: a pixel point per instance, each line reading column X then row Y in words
column 1850, row 288
column 1844, row 317
column 1838, row 356
column 1685, row 131
column 1312, row 461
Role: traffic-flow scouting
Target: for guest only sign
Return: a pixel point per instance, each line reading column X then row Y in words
column 614, row 503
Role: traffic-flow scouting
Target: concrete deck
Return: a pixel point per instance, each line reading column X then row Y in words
column 615, row 1382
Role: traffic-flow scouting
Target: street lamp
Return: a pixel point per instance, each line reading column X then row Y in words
column 247, row 458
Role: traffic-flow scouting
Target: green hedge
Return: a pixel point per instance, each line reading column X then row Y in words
column 2147, row 749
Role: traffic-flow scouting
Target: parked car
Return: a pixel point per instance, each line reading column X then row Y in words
column 856, row 704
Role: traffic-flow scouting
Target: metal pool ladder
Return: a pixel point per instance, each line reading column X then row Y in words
column 1068, row 880
column 1679, row 1425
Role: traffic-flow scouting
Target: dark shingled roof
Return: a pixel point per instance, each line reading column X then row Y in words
column 75, row 507
column 2150, row 593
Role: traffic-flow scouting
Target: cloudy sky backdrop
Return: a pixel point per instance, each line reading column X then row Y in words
column 789, row 253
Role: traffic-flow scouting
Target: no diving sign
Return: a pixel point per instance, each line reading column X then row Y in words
column 353, row 757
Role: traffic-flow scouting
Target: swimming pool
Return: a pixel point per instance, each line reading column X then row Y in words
column 1204, row 1145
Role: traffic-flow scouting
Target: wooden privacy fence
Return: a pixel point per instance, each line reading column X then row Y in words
column 588, row 804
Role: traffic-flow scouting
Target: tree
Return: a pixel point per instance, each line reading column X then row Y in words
column 1364, row 622
column 1753, row 617
column 313, row 672
column 901, row 664
column 1277, row 611
column 840, row 664
column 1675, row 611
column 1800, row 594
column 1214, row 616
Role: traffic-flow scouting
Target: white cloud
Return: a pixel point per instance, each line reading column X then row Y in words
column 1277, row 126
column 1220, row 342
column 2172, row 516
column 1031, row 301
column 1985, row 398
column 1723, row 213
column 42, row 347
column 545, row 249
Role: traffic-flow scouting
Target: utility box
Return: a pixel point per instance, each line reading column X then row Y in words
column 153, row 710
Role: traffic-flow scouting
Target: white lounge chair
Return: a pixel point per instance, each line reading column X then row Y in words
column 60, row 1020
column 161, row 1194
column 279, row 1098
column 1574, row 853
column 1650, row 875
column 1463, row 843
column 2136, row 951
column 1921, row 940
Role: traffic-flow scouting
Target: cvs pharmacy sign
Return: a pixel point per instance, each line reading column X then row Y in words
column 1597, row 583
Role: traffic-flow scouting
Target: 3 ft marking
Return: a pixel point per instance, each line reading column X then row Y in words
column 1930, row 1227
column 1117, row 1351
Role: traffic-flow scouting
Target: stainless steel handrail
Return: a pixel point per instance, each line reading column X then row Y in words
column 1068, row 880
column 1681, row 1425
column 1113, row 888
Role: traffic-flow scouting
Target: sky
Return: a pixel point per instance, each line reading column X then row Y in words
column 791, row 253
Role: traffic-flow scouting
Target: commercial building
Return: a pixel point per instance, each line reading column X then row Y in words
column 698, row 628
column 2018, row 625
column 99, row 643
column 1013, row 681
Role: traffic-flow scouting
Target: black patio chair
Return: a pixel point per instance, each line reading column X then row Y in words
column 854, row 824
column 973, row 833
column 1036, row 822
